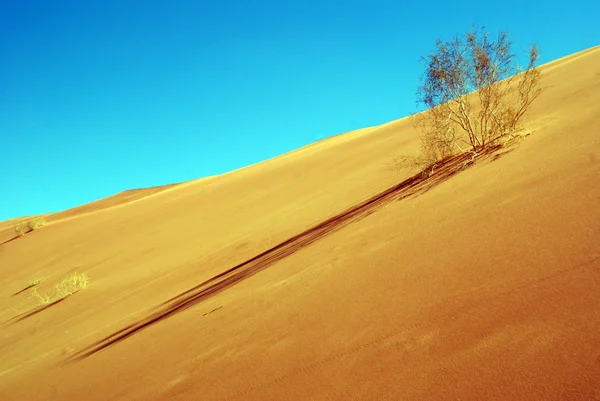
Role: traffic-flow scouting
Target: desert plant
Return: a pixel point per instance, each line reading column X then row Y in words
column 34, row 281
column 65, row 288
column 24, row 227
column 21, row 228
column 71, row 284
column 36, row 222
column 475, row 93
column 41, row 298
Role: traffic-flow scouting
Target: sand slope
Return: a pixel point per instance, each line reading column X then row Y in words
column 485, row 286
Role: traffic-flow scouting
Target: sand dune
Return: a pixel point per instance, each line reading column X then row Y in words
column 325, row 274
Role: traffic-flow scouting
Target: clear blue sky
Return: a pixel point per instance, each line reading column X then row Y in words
column 101, row 96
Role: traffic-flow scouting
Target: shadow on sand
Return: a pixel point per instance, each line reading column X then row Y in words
column 32, row 312
column 412, row 186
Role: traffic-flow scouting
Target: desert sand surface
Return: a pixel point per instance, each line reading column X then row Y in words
column 323, row 274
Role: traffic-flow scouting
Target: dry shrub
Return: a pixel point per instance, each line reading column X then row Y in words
column 68, row 286
column 476, row 96
column 24, row 227
column 36, row 222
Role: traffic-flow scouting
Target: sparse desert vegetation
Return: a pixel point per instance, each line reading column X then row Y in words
column 36, row 222
column 21, row 228
column 31, row 283
column 68, row 286
column 26, row 226
column 476, row 95
column 35, row 281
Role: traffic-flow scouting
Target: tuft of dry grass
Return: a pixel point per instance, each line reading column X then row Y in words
column 65, row 288
column 43, row 299
column 30, row 225
column 72, row 284
column 35, row 281
column 21, row 228
column 36, row 222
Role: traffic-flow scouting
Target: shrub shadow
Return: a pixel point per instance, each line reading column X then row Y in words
column 410, row 187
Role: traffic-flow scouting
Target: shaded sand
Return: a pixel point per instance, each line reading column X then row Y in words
column 315, row 275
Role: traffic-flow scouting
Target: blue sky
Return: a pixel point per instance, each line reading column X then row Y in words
column 97, row 97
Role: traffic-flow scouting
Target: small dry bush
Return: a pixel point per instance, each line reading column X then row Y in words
column 30, row 225
column 21, row 228
column 71, row 284
column 475, row 91
column 476, row 96
column 36, row 222
column 68, row 286
column 35, row 281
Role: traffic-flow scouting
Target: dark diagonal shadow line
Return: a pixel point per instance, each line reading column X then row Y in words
column 32, row 312
column 412, row 186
